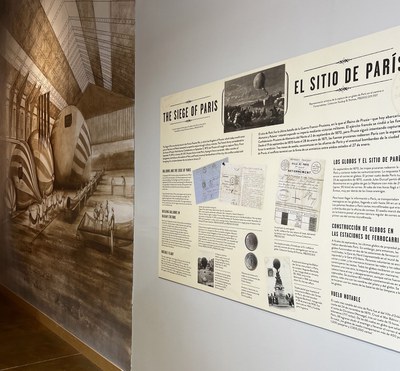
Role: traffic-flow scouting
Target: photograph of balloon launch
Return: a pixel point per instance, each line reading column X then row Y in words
column 255, row 100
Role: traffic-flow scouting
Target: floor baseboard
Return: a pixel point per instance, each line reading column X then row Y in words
column 53, row 326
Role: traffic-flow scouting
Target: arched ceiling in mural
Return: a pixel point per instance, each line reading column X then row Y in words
column 71, row 48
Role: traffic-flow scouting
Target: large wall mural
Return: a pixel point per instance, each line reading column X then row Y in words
column 68, row 179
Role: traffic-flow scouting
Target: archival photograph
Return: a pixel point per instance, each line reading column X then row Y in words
column 205, row 270
column 279, row 282
column 255, row 100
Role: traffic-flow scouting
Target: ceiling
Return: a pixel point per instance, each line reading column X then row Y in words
column 75, row 49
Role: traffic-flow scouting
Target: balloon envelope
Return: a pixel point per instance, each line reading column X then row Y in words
column 276, row 263
column 259, row 81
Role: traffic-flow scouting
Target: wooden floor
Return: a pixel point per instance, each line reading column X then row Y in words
column 25, row 344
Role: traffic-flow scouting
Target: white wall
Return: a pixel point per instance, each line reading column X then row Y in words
column 182, row 44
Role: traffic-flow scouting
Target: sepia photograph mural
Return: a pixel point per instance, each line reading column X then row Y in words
column 67, row 141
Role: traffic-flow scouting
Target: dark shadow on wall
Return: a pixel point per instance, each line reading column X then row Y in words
column 3, row 170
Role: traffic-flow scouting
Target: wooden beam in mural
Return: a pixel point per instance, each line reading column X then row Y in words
column 29, row 26
column 29, row 111
column 44, row 117
column 11, row 103
column 18, row 123
column 88, row 21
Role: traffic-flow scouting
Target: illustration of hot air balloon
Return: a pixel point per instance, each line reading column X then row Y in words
column 10, row 196
column 43, row 157
column 259, row 82
column 23, row 172
column 72, row 150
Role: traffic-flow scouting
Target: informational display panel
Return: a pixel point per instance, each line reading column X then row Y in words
column 280, row 188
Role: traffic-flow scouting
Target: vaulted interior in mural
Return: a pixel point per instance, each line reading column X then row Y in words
column 67, row 139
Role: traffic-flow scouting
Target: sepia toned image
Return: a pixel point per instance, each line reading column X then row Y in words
column 68, row 179
column 255, row 100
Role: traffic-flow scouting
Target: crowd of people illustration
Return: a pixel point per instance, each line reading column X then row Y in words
column 52, row 204
column 268, row 111
column 42, row 212
column 274, row 299
column 103, row 215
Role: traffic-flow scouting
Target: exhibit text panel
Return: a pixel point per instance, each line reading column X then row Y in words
column 279, row 188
